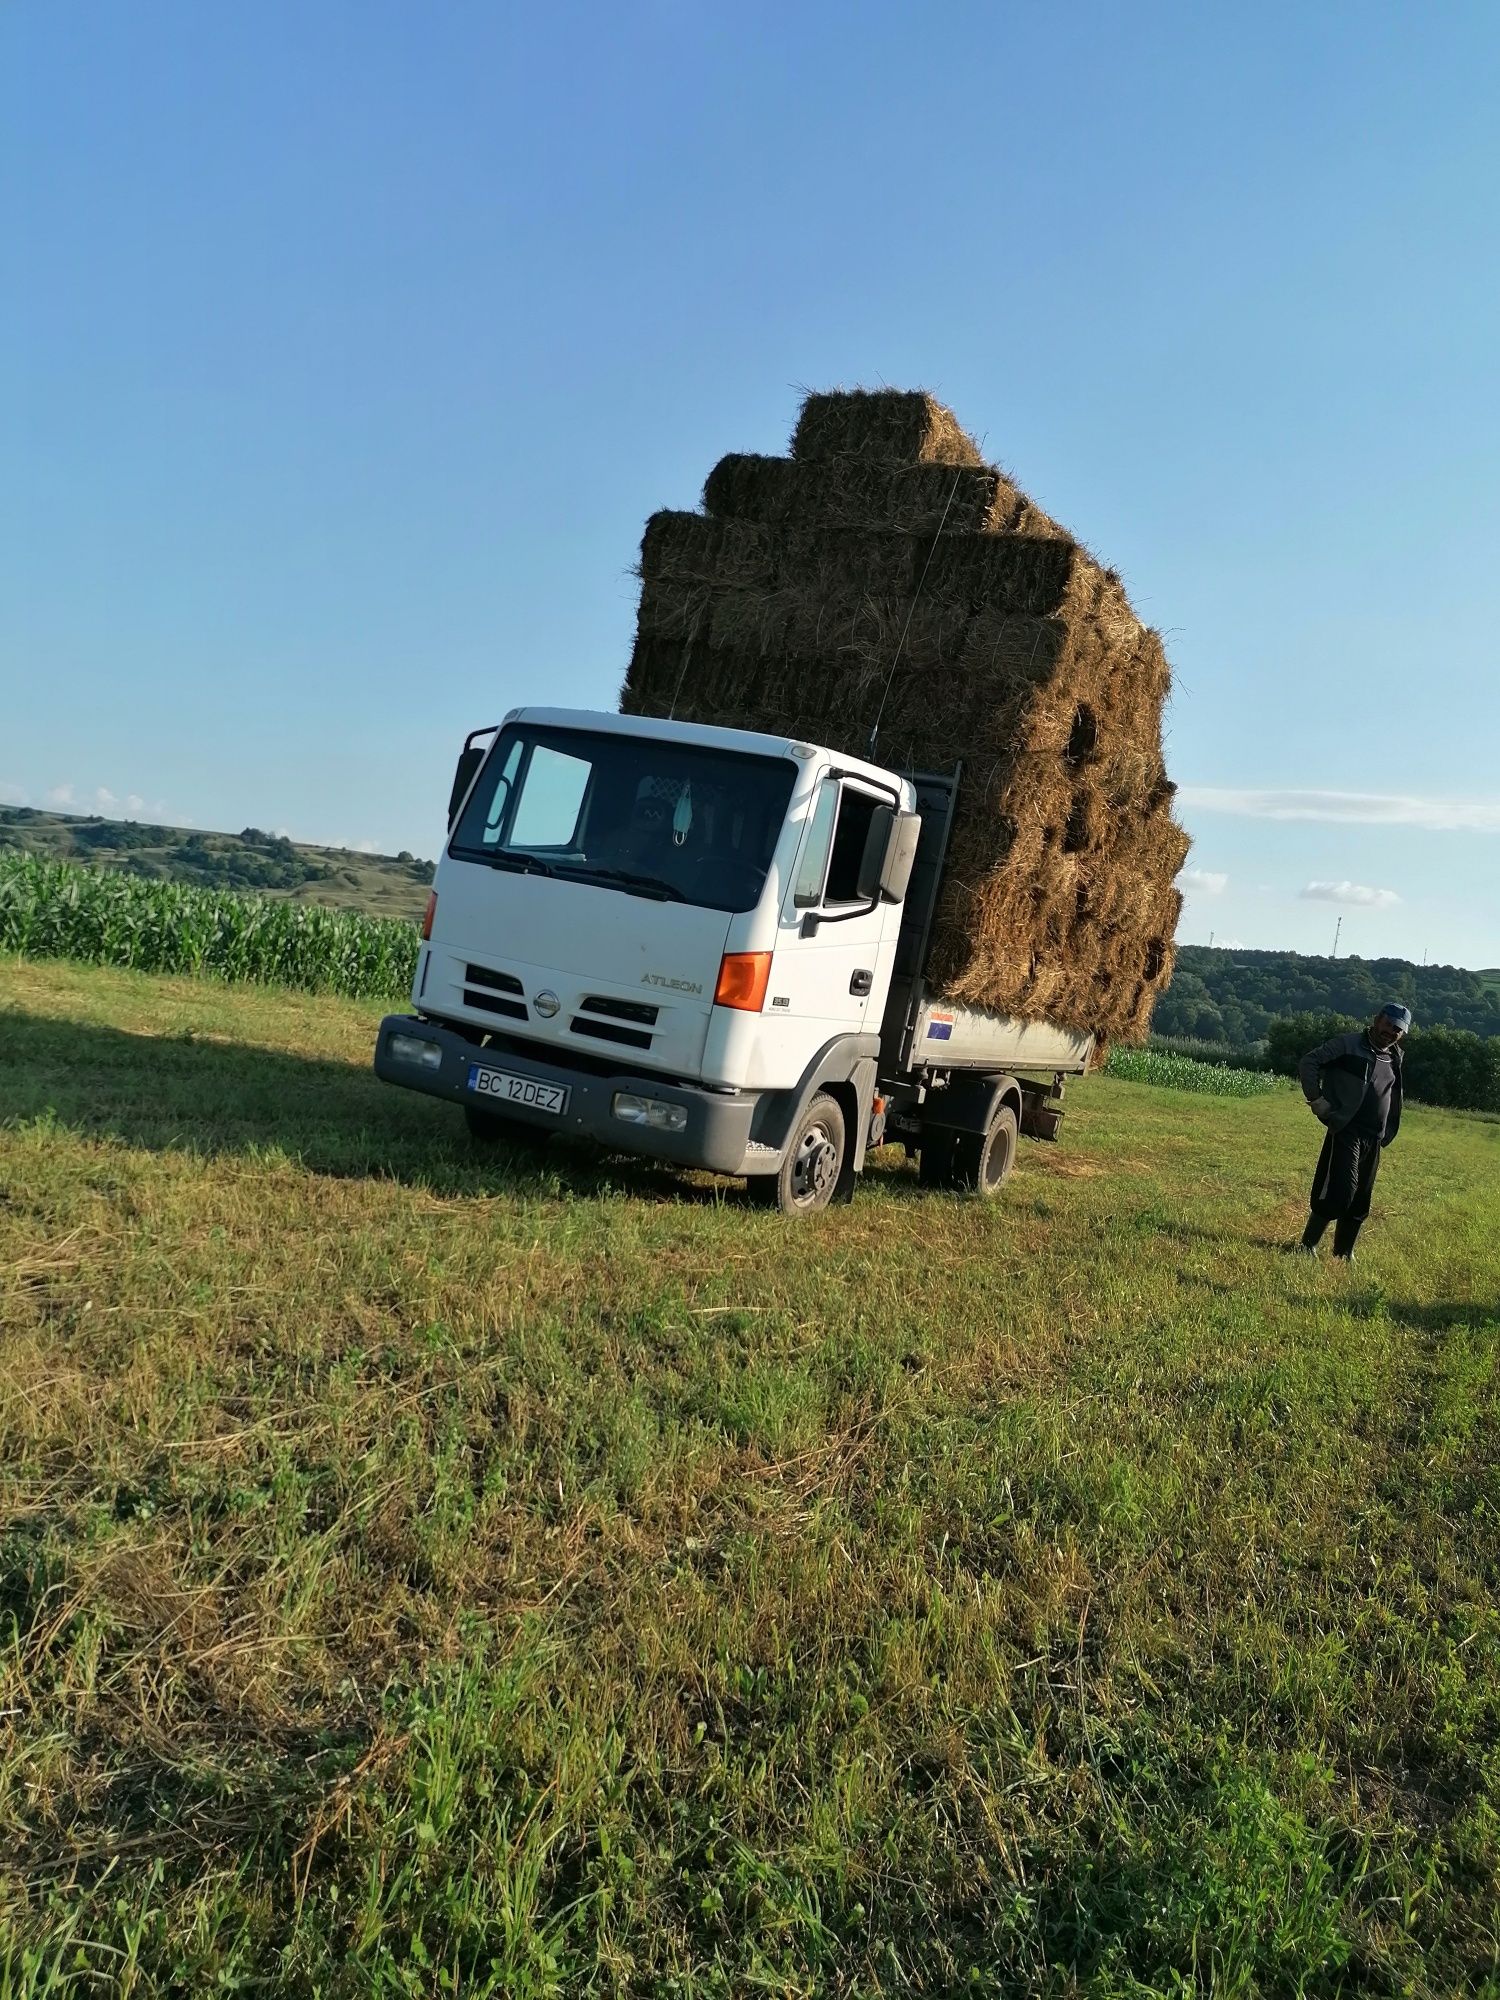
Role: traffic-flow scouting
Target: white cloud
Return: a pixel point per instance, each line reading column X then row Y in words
column 1350, row 892
column 1347, row 808
column 1202, row 882
column 111, row 804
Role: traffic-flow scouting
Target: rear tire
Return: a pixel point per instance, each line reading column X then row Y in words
column 493, row 1128
column 983, row 1161
column 812, row 1164
column 970, row 1162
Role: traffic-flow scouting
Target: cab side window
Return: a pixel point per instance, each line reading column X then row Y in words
column 813, row 866
column 828, row 873
column 856, row 811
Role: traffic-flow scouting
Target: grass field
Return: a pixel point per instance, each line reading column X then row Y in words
column 430, row 1574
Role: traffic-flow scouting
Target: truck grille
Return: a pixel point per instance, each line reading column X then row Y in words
column 478, row 977
column 491, row 1003
column 502, row 982
column 620, row 1010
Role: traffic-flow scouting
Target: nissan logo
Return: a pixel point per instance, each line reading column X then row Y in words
column 546, row 1003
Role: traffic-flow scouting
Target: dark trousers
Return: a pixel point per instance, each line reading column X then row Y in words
column 1342, row 1187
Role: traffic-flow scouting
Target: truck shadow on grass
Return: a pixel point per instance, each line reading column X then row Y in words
column 196, row 1095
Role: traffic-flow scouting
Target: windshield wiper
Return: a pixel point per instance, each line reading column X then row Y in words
column 495, row 859
column 644, row 885
column 522, row 864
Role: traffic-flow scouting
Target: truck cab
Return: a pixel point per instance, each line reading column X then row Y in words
column 677, row 940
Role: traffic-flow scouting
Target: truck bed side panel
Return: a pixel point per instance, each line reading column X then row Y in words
column 949, row 1037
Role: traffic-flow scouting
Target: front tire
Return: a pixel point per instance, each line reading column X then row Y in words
column 812, row 1164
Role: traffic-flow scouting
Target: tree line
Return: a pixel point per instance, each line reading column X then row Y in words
column 1232, row 997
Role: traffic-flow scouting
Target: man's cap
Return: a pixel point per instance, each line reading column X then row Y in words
column 1401, row 1016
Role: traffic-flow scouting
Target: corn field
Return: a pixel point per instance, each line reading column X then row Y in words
column 51, row 909
column 1175, row 1072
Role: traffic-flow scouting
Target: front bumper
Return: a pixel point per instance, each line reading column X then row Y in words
column 715, row 1137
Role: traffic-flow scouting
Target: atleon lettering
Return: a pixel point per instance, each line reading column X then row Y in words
column 672, row 985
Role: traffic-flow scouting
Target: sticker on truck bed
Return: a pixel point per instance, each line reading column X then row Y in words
column 940, row 1027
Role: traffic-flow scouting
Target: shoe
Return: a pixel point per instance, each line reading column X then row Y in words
column 1301, row 1249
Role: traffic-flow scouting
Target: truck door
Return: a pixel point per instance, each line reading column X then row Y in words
column 830, row 971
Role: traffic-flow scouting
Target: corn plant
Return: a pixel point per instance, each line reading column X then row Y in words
column 1175, row 1072
column 51, row 909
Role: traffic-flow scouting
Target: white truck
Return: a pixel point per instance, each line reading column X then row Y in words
column 707, row 947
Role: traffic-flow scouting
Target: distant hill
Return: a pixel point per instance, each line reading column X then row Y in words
column 385, row 885
column 1232, row 996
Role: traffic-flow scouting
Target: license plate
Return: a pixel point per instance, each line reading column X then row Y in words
column 527, row 1090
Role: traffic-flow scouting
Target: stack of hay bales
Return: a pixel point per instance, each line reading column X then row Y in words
column 884, row 568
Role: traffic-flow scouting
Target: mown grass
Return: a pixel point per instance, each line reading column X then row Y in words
column 433, row 1574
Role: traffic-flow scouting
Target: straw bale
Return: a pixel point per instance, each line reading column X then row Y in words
column 843, row 561
column 1010, row 646
column 918, row 499
column 895, row 426
column 817, row 593
column 1037, row 575
column 753, row 622
column 690, row 548
column 673, row 610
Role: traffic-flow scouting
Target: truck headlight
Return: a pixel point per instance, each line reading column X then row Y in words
column 652, row 1111
column 412, row 1049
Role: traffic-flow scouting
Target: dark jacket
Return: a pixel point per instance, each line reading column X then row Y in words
column 1338, row 1071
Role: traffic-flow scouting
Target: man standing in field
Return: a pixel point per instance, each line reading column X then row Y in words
column 1353, row 1083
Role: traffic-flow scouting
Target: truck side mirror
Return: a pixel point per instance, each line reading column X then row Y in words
column 890, row 848
column 903, row 830
column 470, row 759
column 872, row 858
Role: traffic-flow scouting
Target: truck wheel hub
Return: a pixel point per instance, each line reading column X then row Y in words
column 816, row 1165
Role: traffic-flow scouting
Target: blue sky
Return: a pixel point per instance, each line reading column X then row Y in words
column 347, row 347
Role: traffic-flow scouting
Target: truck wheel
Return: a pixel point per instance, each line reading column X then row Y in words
column 493, row 1128
column 811, row 1165
column 982, row 1161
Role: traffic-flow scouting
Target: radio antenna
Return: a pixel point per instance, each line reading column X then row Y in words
column 910, row 610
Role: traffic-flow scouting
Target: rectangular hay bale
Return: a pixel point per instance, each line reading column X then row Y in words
column 901, row 426
column 679, row 547
column 917, row 499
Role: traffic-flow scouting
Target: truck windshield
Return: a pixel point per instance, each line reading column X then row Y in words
column 673, row 821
